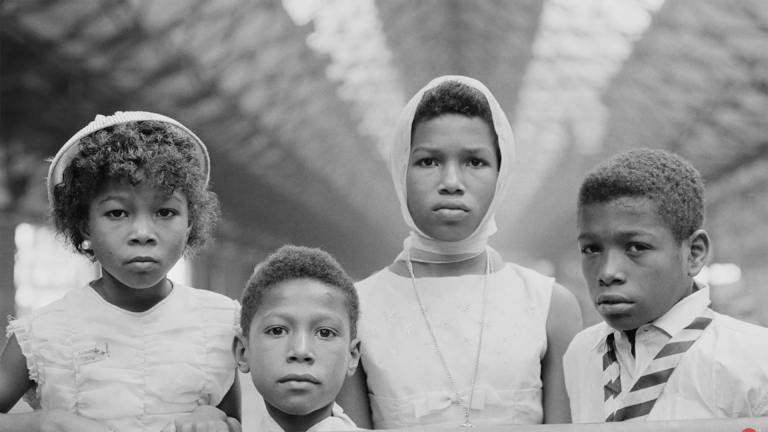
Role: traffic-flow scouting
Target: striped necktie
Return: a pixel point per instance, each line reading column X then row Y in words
column 640, row 399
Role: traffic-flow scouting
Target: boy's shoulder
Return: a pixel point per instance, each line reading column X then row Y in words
column 734, row 336
column 592, row 334
column 586, row 340
column 731, row 324
column 734, row 353
column 582, row 353
column 727, row 330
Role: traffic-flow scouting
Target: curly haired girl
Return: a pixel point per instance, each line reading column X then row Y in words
column 132, row 350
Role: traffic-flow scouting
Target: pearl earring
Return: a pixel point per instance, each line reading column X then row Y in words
column 86, row 245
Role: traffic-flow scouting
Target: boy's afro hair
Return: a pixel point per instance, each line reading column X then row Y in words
column 141, row 151
column 668, row 180
column 297, row 262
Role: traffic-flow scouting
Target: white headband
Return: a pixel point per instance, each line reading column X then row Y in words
column 423, row 247
column 69, row 150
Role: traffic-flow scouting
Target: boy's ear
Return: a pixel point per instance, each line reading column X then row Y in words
column 240, row 351
column 354, row 356
column 698, row 248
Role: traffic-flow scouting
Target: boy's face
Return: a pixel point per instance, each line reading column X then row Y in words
column 299, row 349
column 633, row 267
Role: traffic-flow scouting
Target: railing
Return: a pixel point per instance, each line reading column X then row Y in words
column 755, row 424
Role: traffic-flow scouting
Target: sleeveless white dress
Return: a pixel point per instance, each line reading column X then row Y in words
column 406, row 379
column 132, row 371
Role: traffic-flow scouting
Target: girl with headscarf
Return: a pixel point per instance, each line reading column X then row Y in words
column 451, row 335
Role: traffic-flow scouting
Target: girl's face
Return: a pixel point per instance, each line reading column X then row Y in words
column 137, row 233
column 451, row 177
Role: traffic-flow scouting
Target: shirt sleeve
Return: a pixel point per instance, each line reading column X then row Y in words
column 21, row 329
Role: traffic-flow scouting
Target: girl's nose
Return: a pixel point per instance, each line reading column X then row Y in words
column 452, row 179
column 143, row 231
column 611, row 271
column 301, row 349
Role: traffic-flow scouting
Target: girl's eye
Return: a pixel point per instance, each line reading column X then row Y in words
column 117, row 214
column 325, row 333
column 166, row 213
column 427, row 162
column 276, row 331
column 477, row 163
column 588, row 250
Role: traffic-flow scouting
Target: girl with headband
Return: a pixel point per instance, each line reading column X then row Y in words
column 451, row 335
column 132, row 350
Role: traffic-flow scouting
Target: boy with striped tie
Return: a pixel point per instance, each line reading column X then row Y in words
column 662, row 353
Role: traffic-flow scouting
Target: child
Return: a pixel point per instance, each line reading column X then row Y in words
column 662, row 353
column 132, row 350
column 299, row 337
column 451, row 335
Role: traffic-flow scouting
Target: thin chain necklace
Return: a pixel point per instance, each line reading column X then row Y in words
column 488, row 271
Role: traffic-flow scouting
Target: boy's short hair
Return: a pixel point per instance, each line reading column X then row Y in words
column 668, row 180
column 298, row 262
column 151, row 151
column 453, row 97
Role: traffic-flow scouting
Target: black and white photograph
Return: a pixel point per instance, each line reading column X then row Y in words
column 333, row 215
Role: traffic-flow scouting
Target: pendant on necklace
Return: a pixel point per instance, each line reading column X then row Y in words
column 467, row 424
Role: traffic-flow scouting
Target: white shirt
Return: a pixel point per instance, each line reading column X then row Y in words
column 337, row 421
column 724, row 374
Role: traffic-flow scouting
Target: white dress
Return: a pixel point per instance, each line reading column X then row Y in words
column 407, row 382
column 132, row 371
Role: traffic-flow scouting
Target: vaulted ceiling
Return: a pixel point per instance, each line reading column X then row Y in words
column 296, row 101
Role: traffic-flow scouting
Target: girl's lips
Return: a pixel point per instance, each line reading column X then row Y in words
column 451, row 205
column 451, row 214
column 142, row 265
column 142, row 259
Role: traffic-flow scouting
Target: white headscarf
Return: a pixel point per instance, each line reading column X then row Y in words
column 422, row 247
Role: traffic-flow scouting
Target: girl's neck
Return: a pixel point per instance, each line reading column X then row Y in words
column 298, row 423
column 472, row 266
column 131, row 299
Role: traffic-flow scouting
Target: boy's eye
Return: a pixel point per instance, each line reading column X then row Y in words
column 588, row 250
column 325, row 333
column 276, row 331
column 637, row 248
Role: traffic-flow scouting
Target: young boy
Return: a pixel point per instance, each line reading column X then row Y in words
column 662, row 353
column 299, row 338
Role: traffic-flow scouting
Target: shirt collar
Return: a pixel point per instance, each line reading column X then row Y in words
column 674, row 320
column 685, row 311
column 336, row 421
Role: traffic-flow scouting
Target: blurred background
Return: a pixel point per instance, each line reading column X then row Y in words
column 296, row 100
